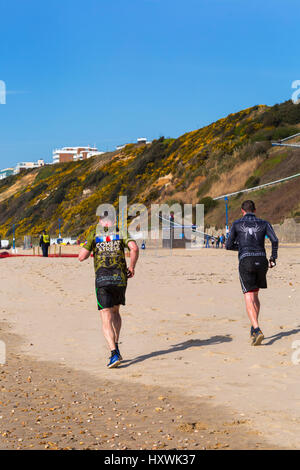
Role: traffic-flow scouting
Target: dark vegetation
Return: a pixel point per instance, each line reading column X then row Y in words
column 209, row 204
column 95, row 178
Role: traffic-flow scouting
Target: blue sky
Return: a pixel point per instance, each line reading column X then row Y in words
column 106, row 73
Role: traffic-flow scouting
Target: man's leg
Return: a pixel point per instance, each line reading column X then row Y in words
column 116, row 322
column 252, row 307
column 107, row 316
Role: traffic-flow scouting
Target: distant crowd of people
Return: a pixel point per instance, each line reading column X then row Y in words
column 218, row 241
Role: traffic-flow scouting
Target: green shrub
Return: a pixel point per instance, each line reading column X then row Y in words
column 153, row 154
column 152, row 196
column 59, row 195
column 209, row 204
column 251, row 182
column 115, row 192
column 252, row 150
column 95, row 178
column 39, row 189
column 286, row 112
column 283, row 132
column 44, row 173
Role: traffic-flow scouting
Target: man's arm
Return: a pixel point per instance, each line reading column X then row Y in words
column 88, row 247
column 83, row 254
column 231, row 243
column 134, row 255
column 274, row 240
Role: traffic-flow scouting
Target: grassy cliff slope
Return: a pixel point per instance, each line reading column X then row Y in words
column 228, row 155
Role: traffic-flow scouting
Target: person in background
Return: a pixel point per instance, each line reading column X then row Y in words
column 45, row 243
column 222, row 240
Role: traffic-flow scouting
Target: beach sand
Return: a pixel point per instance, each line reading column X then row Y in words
column 189, row 378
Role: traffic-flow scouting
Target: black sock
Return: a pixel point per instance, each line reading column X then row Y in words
column 113, row 352
column 256, row 330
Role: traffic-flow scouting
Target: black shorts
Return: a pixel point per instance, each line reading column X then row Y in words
column 253, row 273
column 109, row 296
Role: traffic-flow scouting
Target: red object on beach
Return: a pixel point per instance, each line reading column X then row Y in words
column 10, row 255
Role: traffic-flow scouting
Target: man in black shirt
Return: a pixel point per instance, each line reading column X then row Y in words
column 247, row 236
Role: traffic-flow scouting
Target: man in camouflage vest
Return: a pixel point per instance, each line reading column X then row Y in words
column 108, row 245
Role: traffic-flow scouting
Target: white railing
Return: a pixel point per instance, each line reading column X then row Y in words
column 280, row 144
column 255, row 188
column 275, row 144
column 290, row 137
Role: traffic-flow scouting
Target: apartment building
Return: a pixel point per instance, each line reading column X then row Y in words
column 27, row 166
column 140, row 141
column 6, row 172
column 73, row 154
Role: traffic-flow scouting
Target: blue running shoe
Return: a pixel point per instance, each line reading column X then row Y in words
column 114, row 361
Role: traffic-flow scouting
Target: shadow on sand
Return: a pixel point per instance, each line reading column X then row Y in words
column 178, row 347
column 278, row 336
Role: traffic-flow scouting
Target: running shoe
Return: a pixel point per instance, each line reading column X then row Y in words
column 114, row 361
column 251, row 333
column 257, row 338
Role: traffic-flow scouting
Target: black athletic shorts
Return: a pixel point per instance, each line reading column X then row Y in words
column 109, row 296
column 253, row 273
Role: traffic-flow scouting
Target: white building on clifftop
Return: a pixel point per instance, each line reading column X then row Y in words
column 73, row 154
column 28, row 166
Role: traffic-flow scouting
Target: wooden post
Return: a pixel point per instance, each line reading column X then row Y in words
column 59, row 251
column 33, row 250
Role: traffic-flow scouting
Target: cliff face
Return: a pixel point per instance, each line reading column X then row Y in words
column 288, row 232
column 228, row 155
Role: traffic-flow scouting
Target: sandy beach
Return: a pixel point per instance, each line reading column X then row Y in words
column 189, row 377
